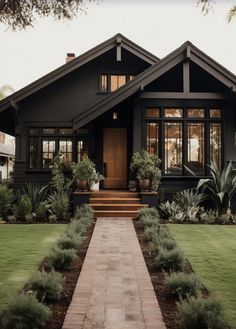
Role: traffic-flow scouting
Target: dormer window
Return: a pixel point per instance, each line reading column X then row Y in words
column 111, row 82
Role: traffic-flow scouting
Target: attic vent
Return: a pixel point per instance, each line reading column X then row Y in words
column 69, row 57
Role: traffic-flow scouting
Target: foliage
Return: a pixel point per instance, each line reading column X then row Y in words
column 41, row 210
column 6, row 201
column 207, row 6
column 148, row 221
column 59, row 182
column 5, row 90
column 85, row 169
column 23, row 207
column 21, row 14
column 79, row 227
column 132, row 185
column 70, row 241
column 25, row 312
column 59, row 204
column 46, row 286
column 95, row 177
column 84, row 211
column 189, row 198
column 35, row 193
column 171, row 209
column 182, row 285
column 61, row 258
column 221, row 186
column 145, row 166
column 201, row 313
column 209, row 216
column 151, row 212
column 170, row 260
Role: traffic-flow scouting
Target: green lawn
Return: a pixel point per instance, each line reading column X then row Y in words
column 22, row 249
column 211, row 249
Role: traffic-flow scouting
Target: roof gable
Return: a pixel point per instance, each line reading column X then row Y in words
column 185, row 52
column 116, row 41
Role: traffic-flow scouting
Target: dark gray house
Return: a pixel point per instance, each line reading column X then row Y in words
column 118, row 98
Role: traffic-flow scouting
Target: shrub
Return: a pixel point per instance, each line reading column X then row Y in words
column 41, row 210
column 25, row 312
column 168, row 243
column 209, row 216
column 59, row 204
column 201, row 313
column 61, row 258
column 148, row 221
column 78, row 227
column 151, row 212
column 70, row 241
column 52, row 219
column 84, row 211
column 170, row 260
column 23, row 208
column 6, row 201
column 35, row 193
column 182, row 285
column 47, row 286
column 150, row 232
column 170, row 210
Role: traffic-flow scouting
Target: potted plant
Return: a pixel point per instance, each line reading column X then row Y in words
column 132, row 185
column 82, row 173
column 146, row 167
column 94, row 181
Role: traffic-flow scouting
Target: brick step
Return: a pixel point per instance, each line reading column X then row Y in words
column 116, row 213
column 114, row 194
column 101, row 206
column 114, row 200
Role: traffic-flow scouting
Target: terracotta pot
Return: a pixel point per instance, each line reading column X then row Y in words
column 82, row 184
column 144, row 185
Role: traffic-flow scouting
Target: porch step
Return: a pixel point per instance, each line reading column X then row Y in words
column 94, row 200
column 116, row 213
column 117, row 206
column 115, row 203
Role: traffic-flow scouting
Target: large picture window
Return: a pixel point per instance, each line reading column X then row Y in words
column 184, row 138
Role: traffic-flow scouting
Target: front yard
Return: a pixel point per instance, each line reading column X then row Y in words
column 211, row 250
column 22, row 249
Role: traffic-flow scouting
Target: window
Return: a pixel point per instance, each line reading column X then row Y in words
column 112, row 82
column 65, row 147
column 153, row 138
column 65, row 131
column 34, row 152
column 196, row 147
column 215, row 143
column 49, row 149
column 82, row 149
column 196, row 113
column 188, row 136
column 173, row 148
column 49, row 131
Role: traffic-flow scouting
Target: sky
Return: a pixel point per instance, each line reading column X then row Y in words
column 159, row 26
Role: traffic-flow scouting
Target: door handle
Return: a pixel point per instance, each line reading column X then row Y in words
column 105, row 169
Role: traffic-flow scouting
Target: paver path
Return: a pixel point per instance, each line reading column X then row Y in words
column 114, row 289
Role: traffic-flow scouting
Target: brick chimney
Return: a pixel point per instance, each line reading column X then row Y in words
column 69, row 57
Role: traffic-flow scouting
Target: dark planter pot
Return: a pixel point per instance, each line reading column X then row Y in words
column 144, row 184
column 82, row 185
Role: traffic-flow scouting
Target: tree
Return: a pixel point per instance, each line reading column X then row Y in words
column 5, row 91
column 21, row 14
column 207, row 6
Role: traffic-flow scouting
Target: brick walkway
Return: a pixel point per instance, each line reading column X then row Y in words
column 114, row 290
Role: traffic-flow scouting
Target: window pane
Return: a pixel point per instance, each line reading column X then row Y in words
column 173, row 113
column 117, row 81
column 33, row 149
column 33, row 131
column 196, row 113
column 82, row 149
column 65, row 147
column 153, row 112
column 152, row 138
column 131, row 77
column 215, row 113
column 104, row 83
column 65, row 131
column 215, row 143
column 173, row 148
column 196, row 147
column 48, row 151
column 49, row 131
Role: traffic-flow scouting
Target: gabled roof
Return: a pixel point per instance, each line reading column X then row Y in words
column 185, row 51
column 78, row 62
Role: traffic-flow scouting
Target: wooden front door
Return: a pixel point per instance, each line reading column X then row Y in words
column 115, row 157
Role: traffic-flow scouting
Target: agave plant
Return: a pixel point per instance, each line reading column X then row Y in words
column 190, row 198
column 221, row 186
column 36, row 194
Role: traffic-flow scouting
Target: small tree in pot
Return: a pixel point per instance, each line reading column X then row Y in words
column 146, row 167
column 82, row 173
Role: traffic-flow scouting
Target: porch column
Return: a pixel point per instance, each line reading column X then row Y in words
column 137, row 127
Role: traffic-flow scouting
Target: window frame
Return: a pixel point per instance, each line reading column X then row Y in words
column 108, row 91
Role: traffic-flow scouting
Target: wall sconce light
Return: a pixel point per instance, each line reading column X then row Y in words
column 114, row 115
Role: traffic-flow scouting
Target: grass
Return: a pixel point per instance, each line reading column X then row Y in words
column 22, row 249
column 211, row 250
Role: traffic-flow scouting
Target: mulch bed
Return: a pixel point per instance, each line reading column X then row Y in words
column 70, row 275
column 167, row 304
